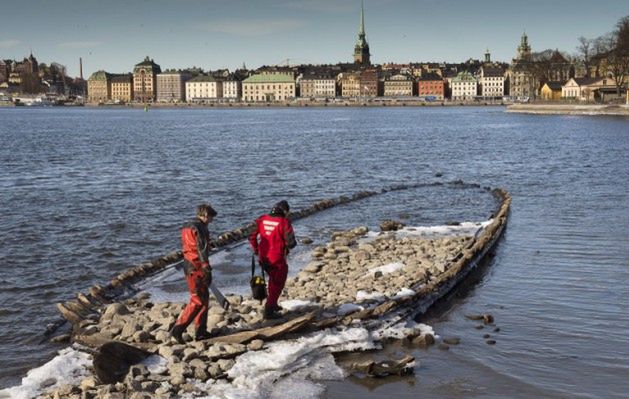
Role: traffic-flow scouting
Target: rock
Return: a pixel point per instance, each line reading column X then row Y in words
column 141, row 336
column 255, row 345
column 491, row 342
column 479, row 327
column 488, row 319
column 214, row 371
column 474, row 316
column 452, row 340
column 497, row 329
column 485, row 336
column 424, row 341
column 390, row 225
column 48, row 382
column 59, row 339
column 306, row 240
column 443, row 346
column 113, row 360
column 150, row 386
column 113, row 310
column 225, row 364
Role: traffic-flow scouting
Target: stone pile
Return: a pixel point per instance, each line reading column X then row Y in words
column 338, row 272
column 346, row 269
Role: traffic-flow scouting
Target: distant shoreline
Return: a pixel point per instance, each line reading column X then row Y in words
column 300, row 104
column 569, row 109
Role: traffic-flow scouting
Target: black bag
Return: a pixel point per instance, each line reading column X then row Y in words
column 258, row 284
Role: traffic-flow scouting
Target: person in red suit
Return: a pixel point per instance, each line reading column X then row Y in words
column 272, row 239
column 195, row 240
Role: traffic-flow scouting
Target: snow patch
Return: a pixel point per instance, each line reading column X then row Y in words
column 70, row 366
column 362, row 296
column 404, row 292
column 348, row 308
column 296, row 304
column 386, row 269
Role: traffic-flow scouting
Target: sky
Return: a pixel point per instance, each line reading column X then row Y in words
column 114, row 35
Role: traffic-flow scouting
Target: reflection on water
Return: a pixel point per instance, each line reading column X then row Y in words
column 85, row 193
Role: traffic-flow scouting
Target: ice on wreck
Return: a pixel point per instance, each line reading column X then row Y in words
column 70, row 366
column 301, row 365
column 296, row 304
column 386, row 269
column 363, row 296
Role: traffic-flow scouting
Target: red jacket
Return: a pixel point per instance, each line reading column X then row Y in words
column 195, row 242
column 276, row 237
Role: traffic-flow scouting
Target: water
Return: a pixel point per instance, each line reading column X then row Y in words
column 85, row 193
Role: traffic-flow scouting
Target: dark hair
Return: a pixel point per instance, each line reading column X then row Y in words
column 281, row 208
column 205, row 210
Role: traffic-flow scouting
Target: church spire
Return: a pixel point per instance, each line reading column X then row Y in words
column 361, row 49
column 361, row 31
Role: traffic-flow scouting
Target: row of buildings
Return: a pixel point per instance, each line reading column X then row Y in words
column 148, row 83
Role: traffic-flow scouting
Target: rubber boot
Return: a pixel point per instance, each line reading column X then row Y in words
column 202, row 334
column 177, row 333
column 271, row 314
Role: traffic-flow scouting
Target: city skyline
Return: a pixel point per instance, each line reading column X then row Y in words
column 115, row 36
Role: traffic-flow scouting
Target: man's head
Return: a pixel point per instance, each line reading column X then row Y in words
column 281, row 208
column 206, row 213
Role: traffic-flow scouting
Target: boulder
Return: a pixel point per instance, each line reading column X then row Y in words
column 113, row 360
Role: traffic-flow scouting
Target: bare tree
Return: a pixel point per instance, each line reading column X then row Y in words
column 584, row 53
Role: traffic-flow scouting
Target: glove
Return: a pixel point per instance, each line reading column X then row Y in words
column 266, row 266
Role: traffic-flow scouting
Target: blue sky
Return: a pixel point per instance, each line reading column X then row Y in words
column 114, row 35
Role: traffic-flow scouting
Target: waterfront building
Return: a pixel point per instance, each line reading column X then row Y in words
column 99, row 87
column 431, row 85
column 551, row 91
column 350, row 84
column 203, row 89
column 589, row 89
column 171, row 86
column 464, row 86
column 232, row 88
column 145, row 80
column 315, row 86
column 361, row 49
column 369, row 81
column 4, row 71
column 399, row 85
column 491, row 81
column 122, row 88
column 269, row 87
column 522, row 81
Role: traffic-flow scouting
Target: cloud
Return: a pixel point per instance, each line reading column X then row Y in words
column 253, row 27
column 8, row 43
column 79, row 44
column 327, row 6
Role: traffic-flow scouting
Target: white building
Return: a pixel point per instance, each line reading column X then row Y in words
column 203, row 88
column 322, row 87
column 491, row 82
column 232, row 89
column 464, row 86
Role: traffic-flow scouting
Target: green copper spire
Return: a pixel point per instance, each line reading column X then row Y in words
column 361, row 49
column 362, row 19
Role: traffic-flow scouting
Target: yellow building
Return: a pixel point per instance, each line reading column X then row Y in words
column 122, row 88
column 268, row 87
column 350, row 84
column 99, row 87
column 551, row 91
